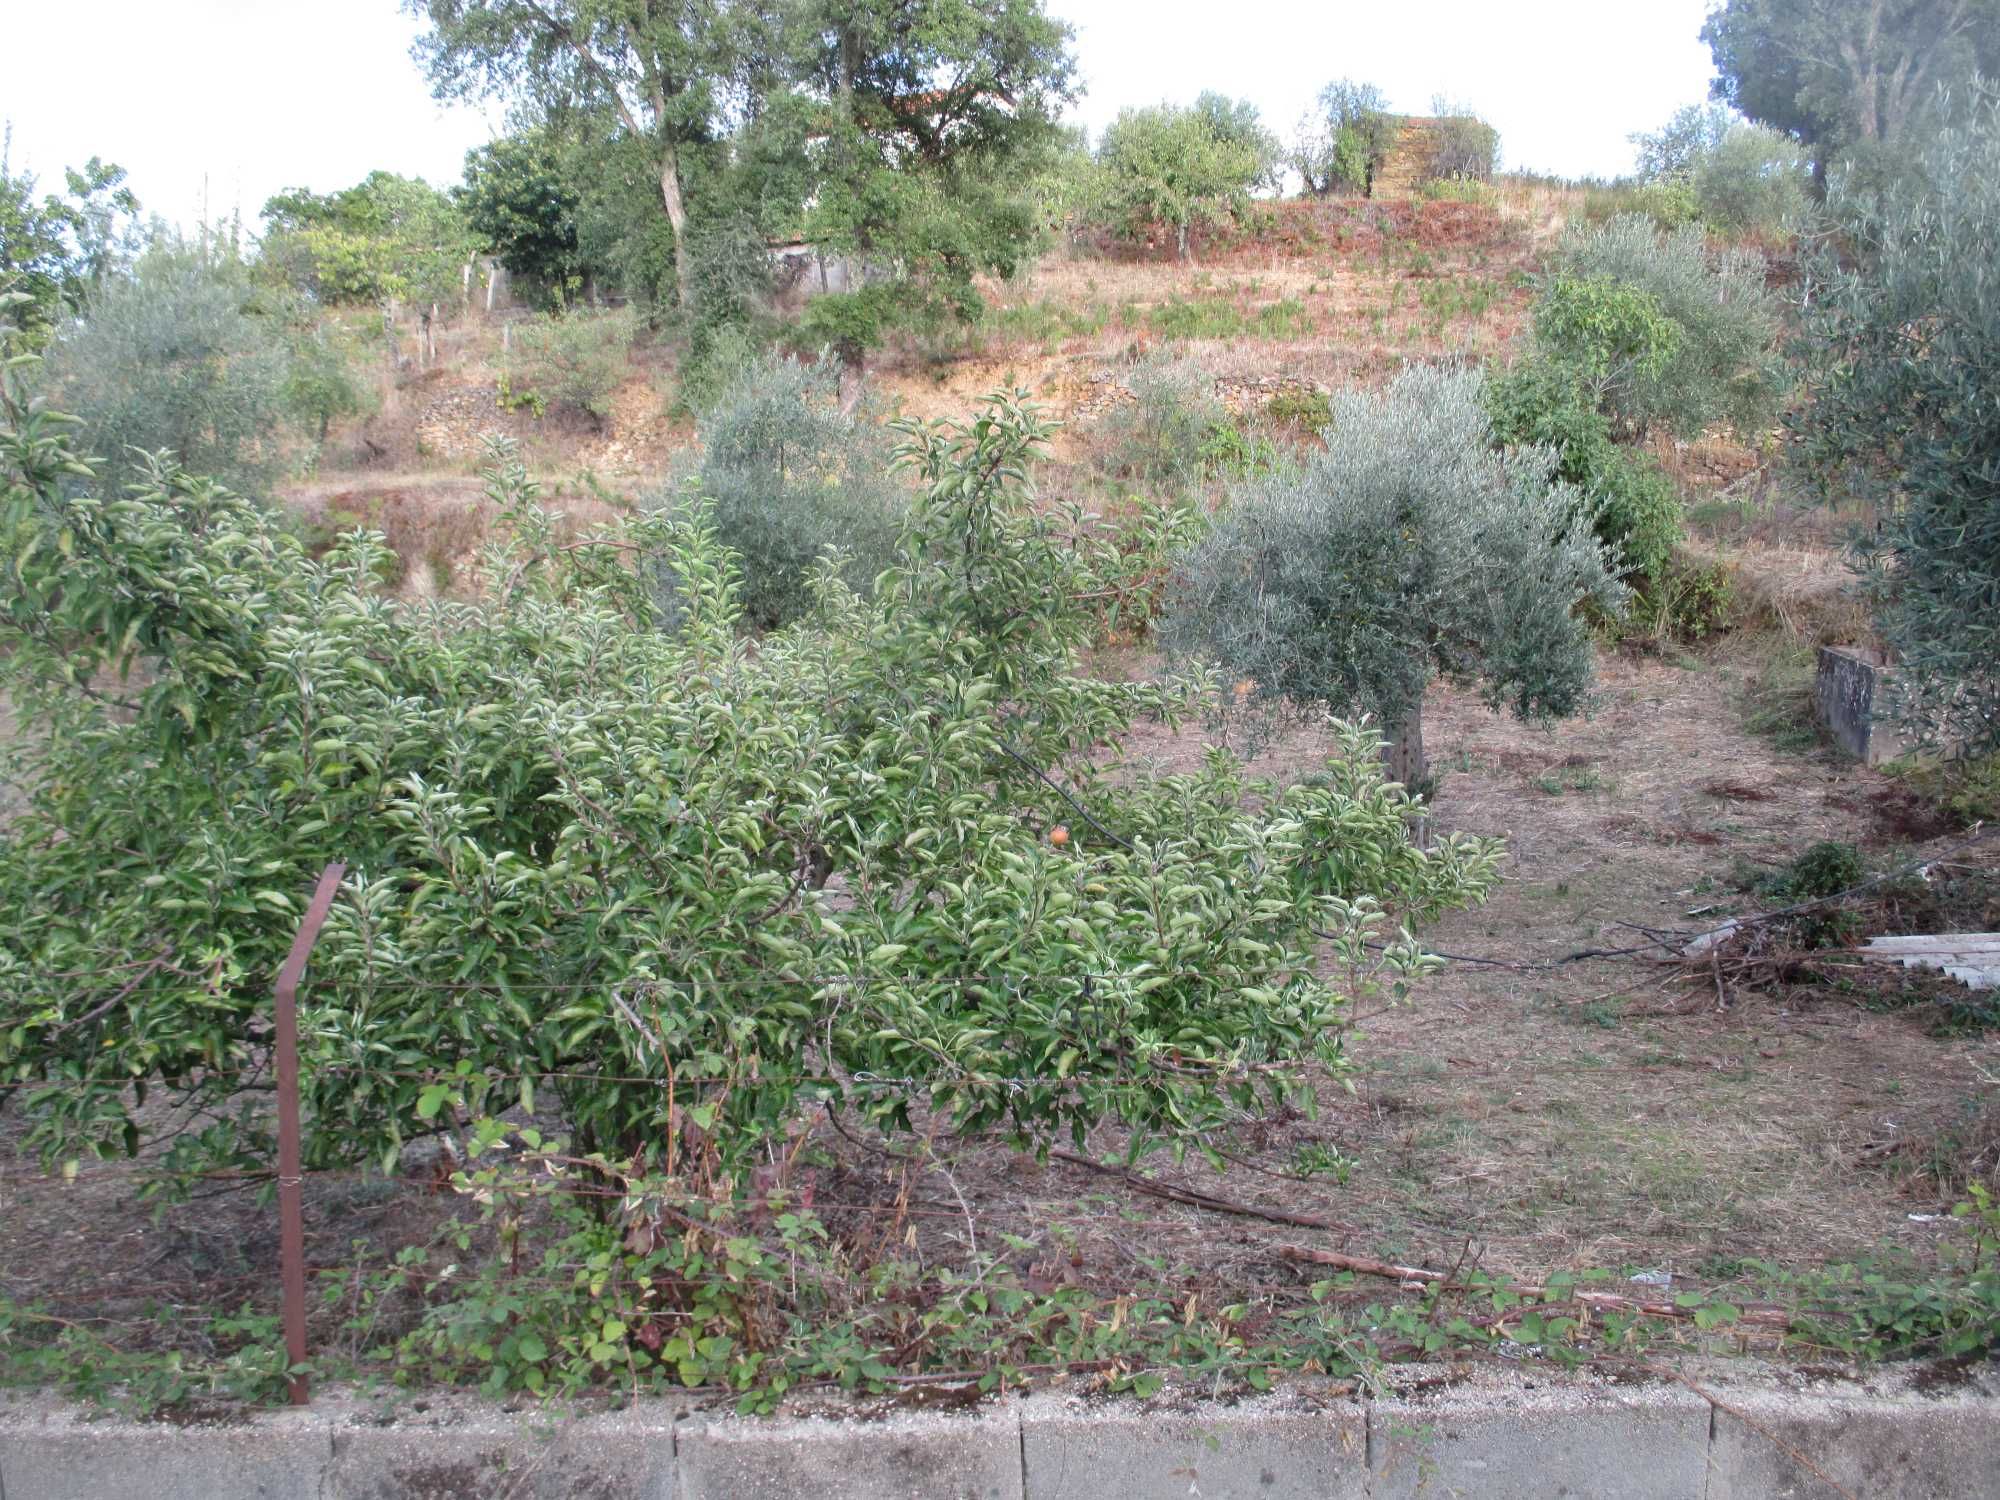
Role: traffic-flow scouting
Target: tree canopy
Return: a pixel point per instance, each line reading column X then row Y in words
column 923, row 124
column 1183, row 168
column 1409, row 547
column 669, row 73
column 1837, row 73
column 520, row 199
column 899, row 133
column 386, row 239
column 1908, row 417
column 54, row 248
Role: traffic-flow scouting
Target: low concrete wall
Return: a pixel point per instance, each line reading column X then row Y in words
column 1849, row 690
column 1488, row 1435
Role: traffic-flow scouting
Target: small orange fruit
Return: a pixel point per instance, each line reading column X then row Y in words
column 1059, row 835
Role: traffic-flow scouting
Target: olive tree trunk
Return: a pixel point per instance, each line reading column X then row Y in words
column 1403, row 750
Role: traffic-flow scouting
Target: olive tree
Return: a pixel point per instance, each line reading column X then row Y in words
column 183, row 355
column 1902, row 331
column 1722, row 365
column 1343, row 140
column 1409, row 548
column 789, row 473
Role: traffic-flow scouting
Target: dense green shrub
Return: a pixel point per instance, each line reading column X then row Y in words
column 1669, row 202
column 1825, row 870
column 1158, row 439
column 590, row 850
column 788, row 474
column 577, row 358
column 1410, row 547
column 185, row 355
column 520, row 199
column 1902, row 331
column 1462, row 146
column 1724, row 368
column 323, row 381
column 1688, row 599
column 1611, row 334
column 1633, row 504
column 1298, row 407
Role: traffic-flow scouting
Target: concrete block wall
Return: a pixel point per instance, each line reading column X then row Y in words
column 1490, row 1436
column 1850, row 689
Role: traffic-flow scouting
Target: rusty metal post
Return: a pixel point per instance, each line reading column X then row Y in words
column 291, row 1186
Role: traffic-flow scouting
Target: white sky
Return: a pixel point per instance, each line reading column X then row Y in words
column 236, row 99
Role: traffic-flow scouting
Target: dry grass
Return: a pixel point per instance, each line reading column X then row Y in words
column 435, row 523
column 1606, row 1112
column 1354, row 289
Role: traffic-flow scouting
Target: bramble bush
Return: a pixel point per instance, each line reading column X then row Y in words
column 683, row 885
column 1159, row 439
column 1412, row 546
column 787, row 474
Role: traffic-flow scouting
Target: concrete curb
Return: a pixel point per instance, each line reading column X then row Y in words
column 1491, row 1435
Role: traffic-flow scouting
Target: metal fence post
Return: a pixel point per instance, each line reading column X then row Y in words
column 291, row 1186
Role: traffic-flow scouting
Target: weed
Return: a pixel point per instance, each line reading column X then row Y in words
column 1455, row 301
column 1317, row 1159
column 1603, row 1014
column 1570, row 778
column 1824, row 870
column 1230, row 453
column 1300, row 407
column 1778, row 702
column 1047, row 323
column 1965, row 791
column 1223, row 318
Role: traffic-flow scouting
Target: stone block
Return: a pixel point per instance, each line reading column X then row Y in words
column 1849, row 691
column 1541, row 1442
column 1073, row 1450
column 1908, row 1448
column 968, row 1456
column 456, row 1451
column 49, row 1452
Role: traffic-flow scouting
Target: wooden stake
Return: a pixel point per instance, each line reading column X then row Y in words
column 291, row 1185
